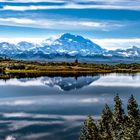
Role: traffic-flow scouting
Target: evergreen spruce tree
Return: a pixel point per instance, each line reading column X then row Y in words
column 133, row 121
column 119, row 118
column 133, row 111
column 105, row 124
column 116, row 125
column 89, row 130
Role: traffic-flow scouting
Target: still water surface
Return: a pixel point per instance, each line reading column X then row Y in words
column 53, row 108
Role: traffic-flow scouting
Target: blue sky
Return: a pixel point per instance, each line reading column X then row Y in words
column 110, row 23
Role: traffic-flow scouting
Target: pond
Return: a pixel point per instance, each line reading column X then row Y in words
column 55, row 107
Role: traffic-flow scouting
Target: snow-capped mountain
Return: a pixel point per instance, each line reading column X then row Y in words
column 8, row 49
column 130, row 52
column 66, row 46
column 76, row 45
column 23, row 46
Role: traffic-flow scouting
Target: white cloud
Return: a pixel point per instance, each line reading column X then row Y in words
column 118, row 81
column 19, row 39
column 24, row 8
column 91, row 100
column 91, row 24
column 105, row 5
column 17, row 20
column 23, row 114
column 27, row 1
column 61, row 24
column 115, row 43
column 15, row 82
column 10, row 138
column 36, row 40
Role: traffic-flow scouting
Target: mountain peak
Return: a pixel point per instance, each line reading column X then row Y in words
column 24, row 45
column 135, row 47
column 77, row 44
column 68, row 36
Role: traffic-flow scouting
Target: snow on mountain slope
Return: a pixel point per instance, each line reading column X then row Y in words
column 72, row 45
column 8, row 49
column 130, row 52
column 65, row 46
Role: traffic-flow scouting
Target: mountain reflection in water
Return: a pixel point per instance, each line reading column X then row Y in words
column 64, row 83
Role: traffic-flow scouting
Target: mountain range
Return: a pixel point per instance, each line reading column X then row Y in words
column 68, row 47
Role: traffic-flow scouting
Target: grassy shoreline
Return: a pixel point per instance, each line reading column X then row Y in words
column 21, row 69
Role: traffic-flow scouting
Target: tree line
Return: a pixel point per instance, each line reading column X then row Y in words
column 114, row 124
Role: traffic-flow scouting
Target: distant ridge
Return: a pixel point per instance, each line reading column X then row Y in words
column 65, row 47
